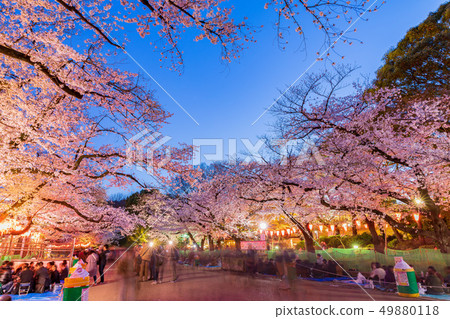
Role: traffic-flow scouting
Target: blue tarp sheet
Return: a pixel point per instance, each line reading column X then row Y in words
column 46, row 296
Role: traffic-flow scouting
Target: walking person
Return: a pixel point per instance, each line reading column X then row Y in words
column 146, row 255
column 172, row 257
column 126, row 271
column 104, row 251
column 160, row 261
column 91, row 267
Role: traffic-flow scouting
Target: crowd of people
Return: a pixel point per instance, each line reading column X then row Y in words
column 286, row 264
column 146, row 263
column 40, row 278
column 95, row 260
column 151, row 262
column 34, row 276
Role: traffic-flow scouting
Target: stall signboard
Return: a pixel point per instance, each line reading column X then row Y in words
column 256, row 245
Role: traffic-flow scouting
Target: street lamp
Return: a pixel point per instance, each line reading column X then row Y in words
column 151, row 244
column 170, row 242
column 419, row 203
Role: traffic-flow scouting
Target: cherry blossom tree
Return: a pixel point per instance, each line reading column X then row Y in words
column 375, row 150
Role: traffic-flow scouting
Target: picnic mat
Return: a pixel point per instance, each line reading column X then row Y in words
column 46, row 296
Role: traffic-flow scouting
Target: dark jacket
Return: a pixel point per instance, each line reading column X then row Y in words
column 390, row 277
column 434, row 285
column 54, row 277
column 42, row 276
column 6, row 275
column 102, row 258
column 64, row 273
column 26, row 276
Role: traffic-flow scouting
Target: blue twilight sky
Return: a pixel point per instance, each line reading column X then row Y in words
column 226, row 99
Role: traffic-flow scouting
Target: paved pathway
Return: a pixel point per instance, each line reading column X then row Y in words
column 223, row 285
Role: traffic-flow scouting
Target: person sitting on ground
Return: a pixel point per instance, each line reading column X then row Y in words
column 63, row 270
column 41, row 278
column 270, row 268
column 54, row 275
column 447, row 280
column 377, row 272
column 25, row 277
column 319, row 260
column 6, row 276
column 433, row 283
column 331, row 268
column 303, row 269
column 17, row 271
column 389, row 278
column 260, row 266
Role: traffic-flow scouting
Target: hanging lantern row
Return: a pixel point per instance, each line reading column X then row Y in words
column 321, row 228
column 279, row 233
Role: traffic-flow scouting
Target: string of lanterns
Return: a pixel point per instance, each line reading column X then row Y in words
column 332, row 228
column 291, row 231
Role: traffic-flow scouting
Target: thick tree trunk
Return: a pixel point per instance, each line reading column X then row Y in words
column 397, row 234
column 378, row 244
column 219, row 243
column 237, row 242
column 202, row 244
column 354, row 229
column 338, row 231
column 309, row 241
column 192, row 237
column 440, row 228
column 211, row 243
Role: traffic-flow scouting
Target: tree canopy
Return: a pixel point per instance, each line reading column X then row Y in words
column 420, row 63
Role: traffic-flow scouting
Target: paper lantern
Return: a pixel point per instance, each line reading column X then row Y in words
column 278, row 233
column 310, row 226
column 288, row 231
column 332, row 227
column 358, row 223
column 345, row 227
column 398, row 216
column 266, row 232
column 416, row 217
column 366, row 226
column 282, row 232
column 321, row 227
column 260, row 231
column 294, row 230
column 271, row 233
